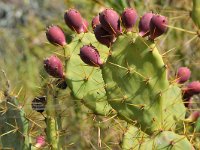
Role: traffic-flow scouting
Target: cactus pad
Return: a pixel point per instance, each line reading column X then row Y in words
column 86, row 82
column 13, row 125
column 134, row 139
column 137, row 86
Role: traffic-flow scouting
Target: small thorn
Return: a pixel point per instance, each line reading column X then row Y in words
column 160, row 93
column 147, row 80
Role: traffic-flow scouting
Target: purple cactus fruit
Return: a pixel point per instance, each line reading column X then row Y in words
column 183, row 74
column 95, row 22
column 158, row 26
column 144, row 24
column 54, row 67
column 103, row 36
column 193, row 87
column 74, row 20
column 40, row 141
column 110, row 21
column 55, row 35
column 193, row 116
column 85, row 26
column 90, row 56
column 129, row 17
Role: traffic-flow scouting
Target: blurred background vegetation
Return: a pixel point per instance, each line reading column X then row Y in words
column 23, row 46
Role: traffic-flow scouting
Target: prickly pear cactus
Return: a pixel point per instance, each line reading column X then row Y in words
column 85, row 81
column 135, row 139
column 137, row 86
column 170, row 140
column 13, row 125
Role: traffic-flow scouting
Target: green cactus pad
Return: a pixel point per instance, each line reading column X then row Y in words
column 86, row 82
column 134, row 139
column 137, row 86
column 13, row 125
column 169, row 140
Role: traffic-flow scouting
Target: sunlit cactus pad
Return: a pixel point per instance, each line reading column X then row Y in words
column 85, row 81
column 134, row 139
column 137, row 86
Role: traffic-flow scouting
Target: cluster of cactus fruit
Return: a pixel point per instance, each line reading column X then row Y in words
column 115, row 70
column 118, row 70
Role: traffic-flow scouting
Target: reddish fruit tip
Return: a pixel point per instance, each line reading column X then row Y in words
column 54, row 67
column 194, row 87
column 74, row 21
column 144, row 24
column 110, row 21
column 129, row 17
column 183, row 74
column 95, row 21
column 158, row 26
column 40, row 141
column 90, row 56
column 55, row 35
column 191, row 89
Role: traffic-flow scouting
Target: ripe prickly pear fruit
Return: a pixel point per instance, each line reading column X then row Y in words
column 40, row 141
column 38, row 104
column 74, row 20
column 183, row 74
column 129, row 17
column 110, row 21
column 103, row 36
column 90, row 56
column 95, row 22
column 55, row 35
column 144, row 24
column 193, row 116
column 54, row 67
column 158, row 26
column 193, row 87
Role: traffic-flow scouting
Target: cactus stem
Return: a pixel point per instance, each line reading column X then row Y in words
column 66, row 57
column 196, row 12
column 53, row 121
